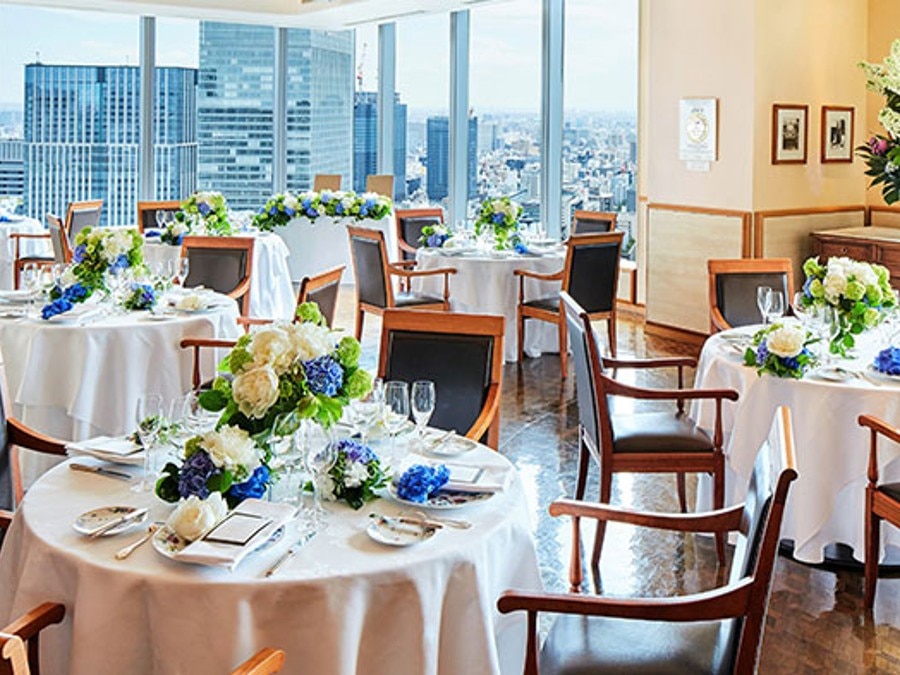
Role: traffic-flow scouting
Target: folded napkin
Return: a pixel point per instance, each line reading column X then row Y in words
column 271, row 515
column 18, row 296
column 118, row 450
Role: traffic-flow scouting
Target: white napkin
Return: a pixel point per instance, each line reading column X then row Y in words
column 18, row 296
column 108, row 448
column 230, row 555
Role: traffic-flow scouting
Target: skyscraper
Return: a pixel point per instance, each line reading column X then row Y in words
column 365, row 141
column 236, row 101
column 437, row 162
column 12, row 168
column 81, row 137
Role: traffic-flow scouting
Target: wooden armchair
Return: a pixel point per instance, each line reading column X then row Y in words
column 409, row 224
column 716, row 631
column 374, row 276
column 321, row 289
column 146, row 212
column 327, row 181
column 19, row 641
column 381, row 184
column 733, row 284
column 265, row 662
column 593, row 222
column 224, row 264
column 58, row 237
column 461, row 353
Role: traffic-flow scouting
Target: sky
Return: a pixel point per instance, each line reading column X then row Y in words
column 600, row 67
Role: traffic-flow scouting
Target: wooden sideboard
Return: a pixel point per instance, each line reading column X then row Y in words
column 872, row 244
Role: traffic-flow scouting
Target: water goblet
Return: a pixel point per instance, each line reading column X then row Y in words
column 762, row 301
column 774, row 306
column 148, row 414
column 31, row 279
column 396, row 409
column 180, row 273
column 160, row 216
column 319, row 460
column 423, row 401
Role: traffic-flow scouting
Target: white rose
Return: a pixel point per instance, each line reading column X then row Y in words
column 311, row 341
column 190, row 302
column 178, row 228
column 786, row 340
column 194, row 517
column 231, row 447
column 255, row 391
column 117, row 243
column 273, row 347
column 865, row 274
column 348, row 203
column 355, row 475
column 835, row 284
column 291, row 203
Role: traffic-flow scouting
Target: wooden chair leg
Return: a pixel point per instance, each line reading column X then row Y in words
column 563, row 346
column 605, row 494
column 872, row 539
column 682, row 492
column 611, row 328
column 520, row 333
column 584, row 457
column 719, row 503
column 359, row 323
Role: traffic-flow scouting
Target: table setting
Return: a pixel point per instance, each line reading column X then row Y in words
column 267, row 487
column 12, row 223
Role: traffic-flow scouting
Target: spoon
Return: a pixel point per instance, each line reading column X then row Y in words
column 132, row 547
column 450, row 522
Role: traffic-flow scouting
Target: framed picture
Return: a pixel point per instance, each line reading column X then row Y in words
column 789, row 133
column 698, row 127
column 837, row 134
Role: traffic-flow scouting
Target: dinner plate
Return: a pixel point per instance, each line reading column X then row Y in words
column 442, row 499
column 833, row 374
column 452, row 447
column 391, row 532
column 884, row 377
column 89, row 521
column 169, row 545
column 18, row 296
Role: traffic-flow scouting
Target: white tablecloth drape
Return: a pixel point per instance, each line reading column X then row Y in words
column 271, row 291
column 78, row 381
column 27, row 247
column 826, row 505
column 343, row 605
column 485, row 284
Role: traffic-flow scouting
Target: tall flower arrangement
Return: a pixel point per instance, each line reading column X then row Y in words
column 205, row 213
column 882, row 152
column 499, row 215
column 281, row 208
column 860, row 292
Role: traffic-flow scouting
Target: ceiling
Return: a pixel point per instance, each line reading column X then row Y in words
column 334, row 14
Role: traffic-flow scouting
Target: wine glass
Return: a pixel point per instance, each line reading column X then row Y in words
column 31, row 279
column 775, row 305
column 320, row 458
column 396, row 409
column 762, row 301
column 160, row 216
column 828, row 322
column 181, row 267
column 423, row 399
column 148, row 415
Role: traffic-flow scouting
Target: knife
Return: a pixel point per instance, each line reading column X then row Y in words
column 440, row 440
column 110, row 473
column 103, row 529
column 406, row 520
column 290, row 553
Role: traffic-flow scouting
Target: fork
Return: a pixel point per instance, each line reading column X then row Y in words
column 126, row 551
column 449, row 522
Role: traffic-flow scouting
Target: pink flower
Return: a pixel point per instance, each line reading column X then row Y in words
column 878, row 146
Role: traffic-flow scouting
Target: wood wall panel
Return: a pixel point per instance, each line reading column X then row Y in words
column 884, row 216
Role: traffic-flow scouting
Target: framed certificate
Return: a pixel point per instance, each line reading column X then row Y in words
column 698, row 129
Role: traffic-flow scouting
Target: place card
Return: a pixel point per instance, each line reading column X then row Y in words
column 237, row 528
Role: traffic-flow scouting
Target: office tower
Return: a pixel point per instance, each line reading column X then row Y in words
column 365, row 141
column 437, row 161
column 81, row 137
column 236, row 101
column 12, row 168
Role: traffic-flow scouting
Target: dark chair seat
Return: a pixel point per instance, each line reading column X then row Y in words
column 892, row 490
column 550, row 304
column 579, row 645
column 413, row 299
column 658, row 432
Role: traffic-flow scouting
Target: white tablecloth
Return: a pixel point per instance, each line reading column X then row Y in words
column 271, row 292
column 320, row 245
column 343, row 605
column 484, row 284
column 27, row 247
column 826, row 505
column 78, row 381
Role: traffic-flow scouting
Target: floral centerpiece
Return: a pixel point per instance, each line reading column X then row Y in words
column 882, row 152
column 781, row 349
column 140, row 297
column 277, row 212
column 860, row 292
column 281, row 208
column 355, row 476
column 97, row 252
column 500, row 216
column 174, row 232
column 205, row 213
column 434, row 236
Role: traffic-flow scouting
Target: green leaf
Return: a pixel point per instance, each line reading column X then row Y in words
column 220, row 482
column 212, row 400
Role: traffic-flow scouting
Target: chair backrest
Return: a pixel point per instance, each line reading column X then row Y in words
column 146, row 212
column 81, row 215
column 593, row 222
column 327, row 181
column 586, row 385
column 369, row 254
column 59, row 241
column 322, row 289
column 461, row 353
column 266, row 661
column 409, row 223
column 592, row 270
column 219, row 263
column 20, row 639
column 9, row 474
column 733, row 284
column 380, row 184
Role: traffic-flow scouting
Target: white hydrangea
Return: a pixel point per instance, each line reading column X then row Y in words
column 117, row 242
column 255, row 391
column 864, row 273
column 290, row 202
column 311, row 341
column 786, row 340
column 355, row 474
column 231, row 447
column 272, row 346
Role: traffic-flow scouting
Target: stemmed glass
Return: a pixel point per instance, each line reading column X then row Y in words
column 319, row 460
column 31, row 279
column 828, row 322
column 762, row 302
column 180, row 269
column 396, row 409
column 160, row 216
column 774, row 306
column 148, row 414
column 423, row 400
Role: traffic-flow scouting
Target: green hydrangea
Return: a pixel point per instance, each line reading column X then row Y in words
column 874, row 295
column 348, row 352
column 855, row 290
column 309, row 312
column 812, row 268
column 816, row 289
column 358, row 384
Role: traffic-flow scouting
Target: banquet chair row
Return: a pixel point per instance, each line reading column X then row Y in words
column 733, row 284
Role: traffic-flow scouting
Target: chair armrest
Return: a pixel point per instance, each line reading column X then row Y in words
column 13, row 654
column 218, row 343
column 27, row 235
column 717, row 321
column 248, row 321
column 404, row 263
column 26, row 437
column 880, row 426
column 30, row 624
column 488, row 413
column 722, row 520
column 681, row 361
column 719, row 603
column 617, row 388
column 6, row 518
column 404, row 246
column 240, row 290
column 266, row 660
column 543, row 276
column 421, row 273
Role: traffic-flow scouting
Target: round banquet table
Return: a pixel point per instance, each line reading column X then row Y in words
column 27, row 247
column 79, row 380
column 484, row 283
column 827, row 503
column 342, row 605
column 271, row 291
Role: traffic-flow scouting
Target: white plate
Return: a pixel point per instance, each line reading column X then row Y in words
column 89, row 521
column 443, row 499
column 18, row 296
column 884, row 377
column 452, row 447
column 169, row 545
column 833, row 374
column 390, row 532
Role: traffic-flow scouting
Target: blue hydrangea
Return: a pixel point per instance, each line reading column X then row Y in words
column 498, row 218
column 58, row 306
column 324, row 375
column 419, row 482
column 793, row 362
column 142, row 297
column 762, row 353
column 273, row 211
column 356, row 452
column 339, row 209
column 252, row 488
column 79, row 253
column 806, row 287
column 289, row 212
column 76, row 292
column 888, row 361
column 325, row 198
column 520, row 248
column 120, row 263
column 204, row 209
column 194, row 474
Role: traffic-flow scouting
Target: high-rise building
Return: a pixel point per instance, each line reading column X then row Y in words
column 236, row 101
column 12, row 168
column 365, row 141
column 437, row 161
column 81, row 137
